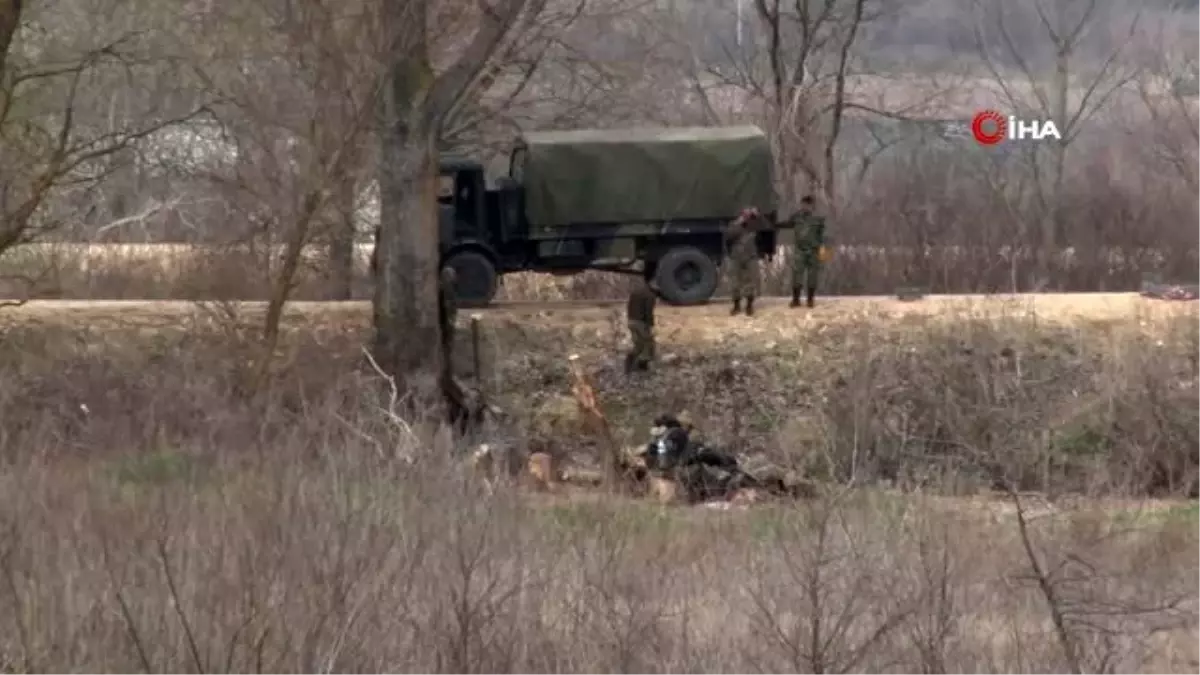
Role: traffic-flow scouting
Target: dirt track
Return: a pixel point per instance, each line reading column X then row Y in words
column 1050, row 306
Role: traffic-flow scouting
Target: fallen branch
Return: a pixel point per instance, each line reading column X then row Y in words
column 394, row 399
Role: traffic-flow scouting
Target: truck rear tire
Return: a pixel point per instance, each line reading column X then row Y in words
column 476, row 282
column 686, row 276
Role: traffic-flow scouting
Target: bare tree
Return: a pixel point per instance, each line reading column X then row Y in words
column 1093, row 625
column 800, row 73
column 417, row 100
column 10, row 19
column 835, row 611
column 52, row 157
column 298, row 120
column 1169, row 93
column 334, row 56
column 1066, row 72
column 804, row 91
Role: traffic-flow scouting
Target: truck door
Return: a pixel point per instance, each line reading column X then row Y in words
column 461, row 212
column 467, row 203
column 460, row 197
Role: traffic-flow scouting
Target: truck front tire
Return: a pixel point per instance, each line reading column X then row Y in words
column 686, row 276
column 476, row 281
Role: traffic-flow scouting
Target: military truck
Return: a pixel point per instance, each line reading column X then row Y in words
column 652, row 202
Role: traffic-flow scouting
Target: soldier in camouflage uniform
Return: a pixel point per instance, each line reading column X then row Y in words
column 809, row 228
column 639, row 315
column 741, row 245
column 702, row 472
column 447, row 313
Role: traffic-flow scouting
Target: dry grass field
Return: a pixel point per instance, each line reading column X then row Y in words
column 984, row 482
column 83, row 271
column 773, row 315
column 158, row 517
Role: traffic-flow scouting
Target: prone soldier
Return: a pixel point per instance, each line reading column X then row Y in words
column 741, row 245
column 809, row 228
column 702, row 472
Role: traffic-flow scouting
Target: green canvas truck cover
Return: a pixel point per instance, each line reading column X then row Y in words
column 643, row 175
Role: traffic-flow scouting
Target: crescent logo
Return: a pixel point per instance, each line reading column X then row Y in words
column 989, row 127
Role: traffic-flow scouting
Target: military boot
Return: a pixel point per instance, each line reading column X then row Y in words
column 630, row 363
column 812, row 292
column 750, row 306
column 795, row 297
column 737, row 306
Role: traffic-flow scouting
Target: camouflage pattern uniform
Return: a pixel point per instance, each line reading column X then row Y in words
column 447, row 313
column 742, row 246
column 639, row 313
column 809, row 228
column 709, row 473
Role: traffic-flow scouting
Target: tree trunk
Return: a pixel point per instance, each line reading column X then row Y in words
column 10, row 19
column 341, row 243
column 405, row 302
column 280, row 287
column 1053, row 228
column 407, row 337
column 415, row 104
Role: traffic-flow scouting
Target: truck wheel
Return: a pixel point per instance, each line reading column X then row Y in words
column 476, row 281
column 686, row 276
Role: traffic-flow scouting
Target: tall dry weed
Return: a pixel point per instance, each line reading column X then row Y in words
column 151, row 520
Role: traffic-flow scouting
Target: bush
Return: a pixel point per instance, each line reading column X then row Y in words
column 154, row 517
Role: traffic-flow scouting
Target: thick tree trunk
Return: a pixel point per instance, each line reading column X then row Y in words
column 415, row 104
column 405, row 302
column 10, row 19
column 341, row 244
column 407, row 338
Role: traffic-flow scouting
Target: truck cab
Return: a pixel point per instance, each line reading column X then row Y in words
column 475, row 224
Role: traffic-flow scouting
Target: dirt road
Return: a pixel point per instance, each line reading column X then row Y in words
column 1050, row 305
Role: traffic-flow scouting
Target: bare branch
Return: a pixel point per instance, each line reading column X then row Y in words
column 177, row 604
column 1046, row 585
column 456, row 83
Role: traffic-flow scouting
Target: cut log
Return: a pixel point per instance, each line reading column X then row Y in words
column 542, row 471
column 663, row 490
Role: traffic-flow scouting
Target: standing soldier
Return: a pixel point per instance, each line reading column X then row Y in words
column 639, row 313
column 742, row 247
column 447, row 314
column 809, row 228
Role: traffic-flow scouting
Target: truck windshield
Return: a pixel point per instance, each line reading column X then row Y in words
column 446, row 189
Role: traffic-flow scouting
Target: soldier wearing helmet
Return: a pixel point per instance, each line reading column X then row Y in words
column 741, row 245
column 809, row 227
